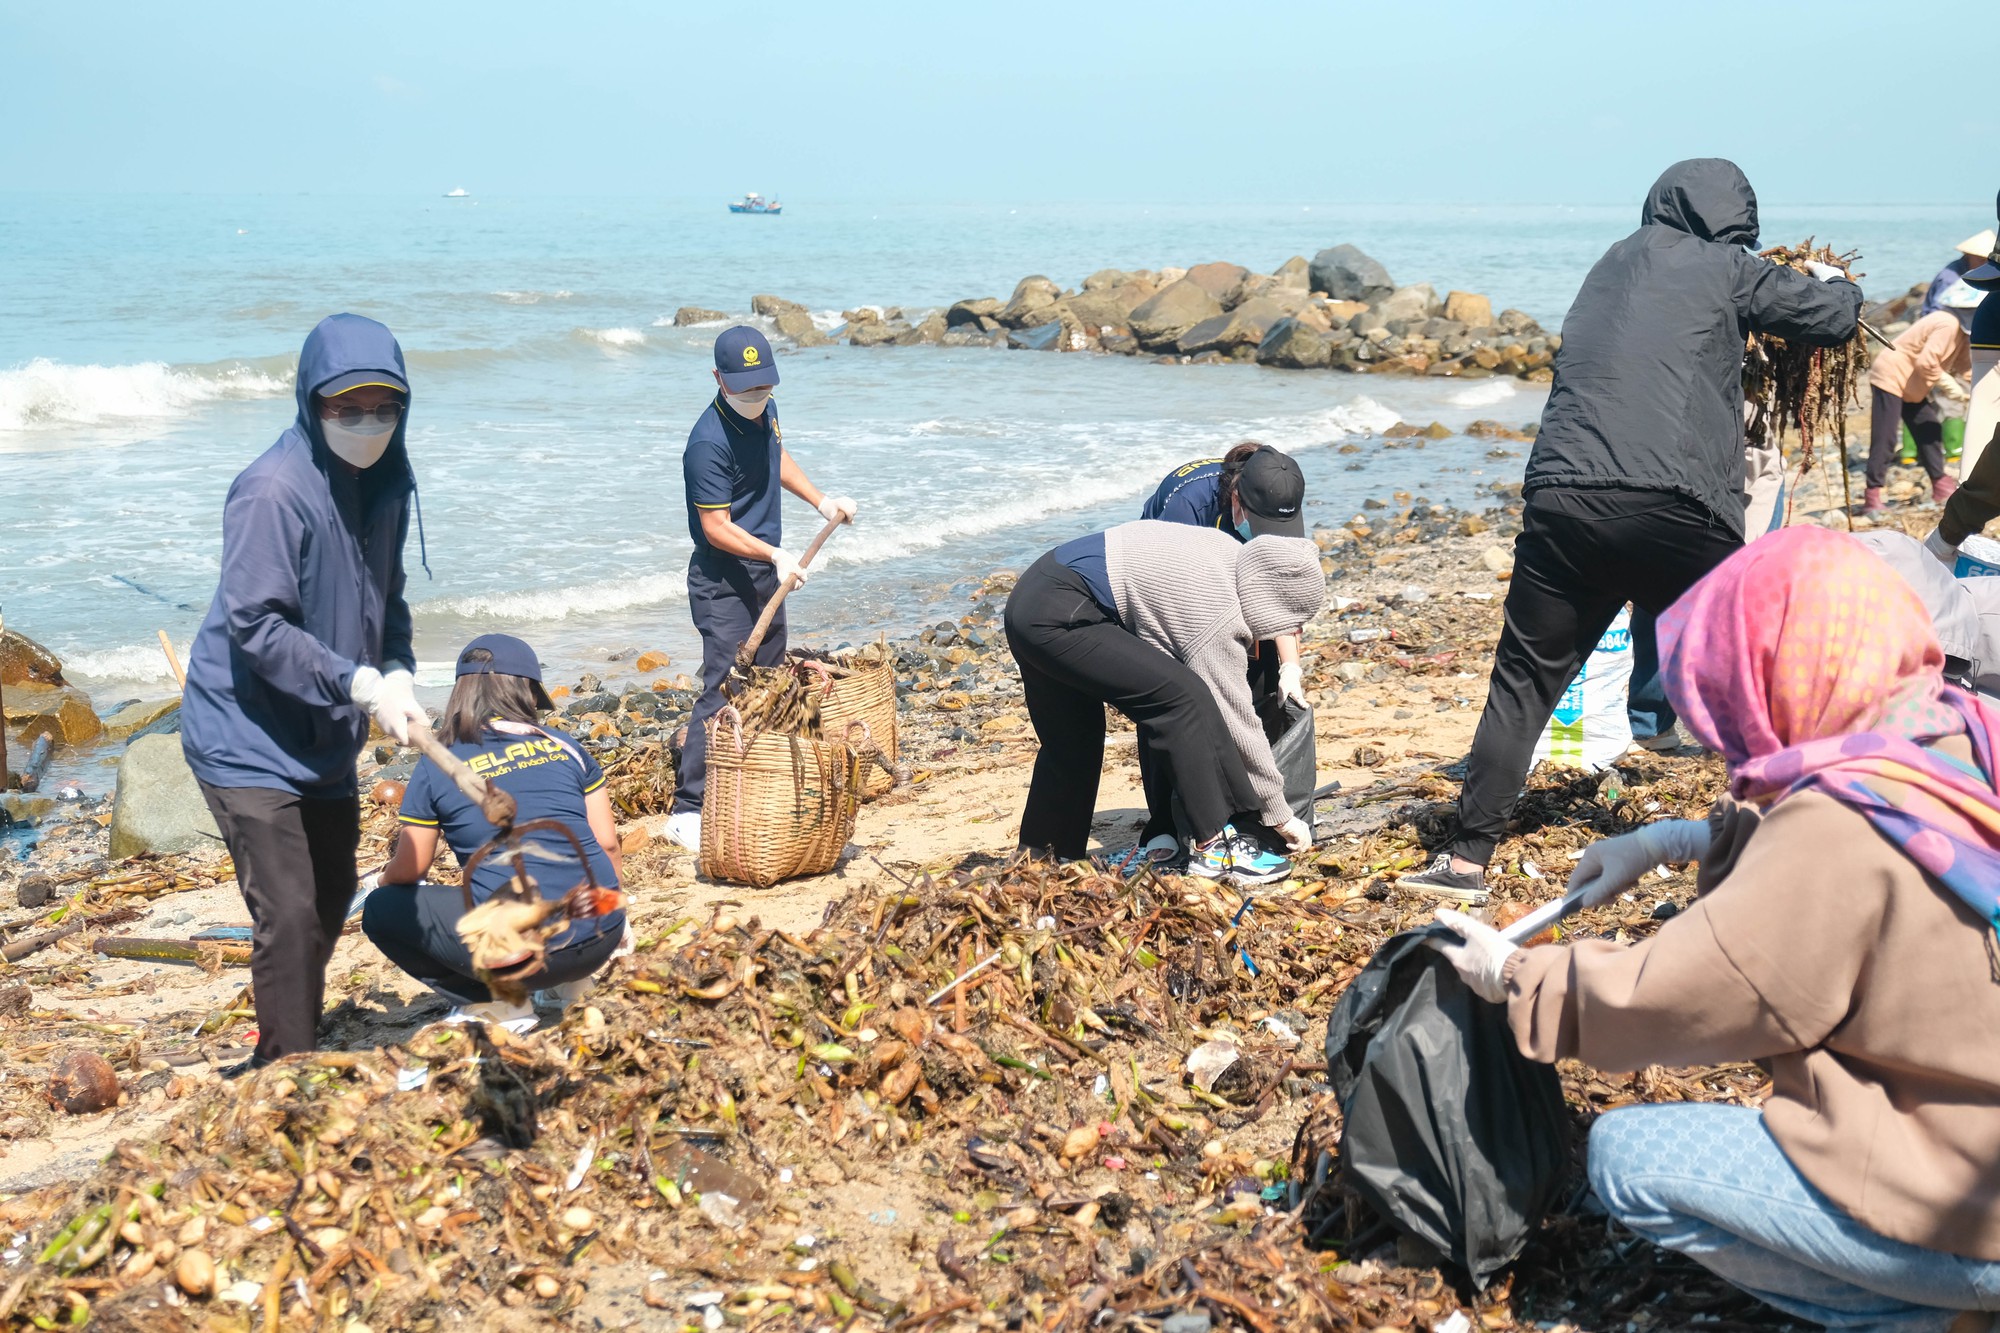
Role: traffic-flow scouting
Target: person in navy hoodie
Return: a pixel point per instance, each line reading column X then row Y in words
column 308, row 639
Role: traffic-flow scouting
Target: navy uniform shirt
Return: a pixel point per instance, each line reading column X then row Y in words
column 732, row 464
column 548, row 776
column 1986, row 323
column 1193, row 495
column 1085, row 557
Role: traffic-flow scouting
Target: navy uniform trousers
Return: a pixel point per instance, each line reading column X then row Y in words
column 725, row 595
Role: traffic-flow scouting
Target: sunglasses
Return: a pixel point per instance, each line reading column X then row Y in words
column 350, row 416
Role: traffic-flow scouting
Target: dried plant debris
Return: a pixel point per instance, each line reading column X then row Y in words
column 1804, row 390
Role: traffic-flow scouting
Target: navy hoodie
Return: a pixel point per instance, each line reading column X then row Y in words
column 312, row 587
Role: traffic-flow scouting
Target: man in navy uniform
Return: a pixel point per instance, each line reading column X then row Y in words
column 735, row 463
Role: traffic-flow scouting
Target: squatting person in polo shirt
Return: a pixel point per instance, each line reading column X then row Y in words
column 735, row 463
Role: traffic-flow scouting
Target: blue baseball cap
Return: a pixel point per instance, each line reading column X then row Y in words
column 511, row 657
column 743, row 355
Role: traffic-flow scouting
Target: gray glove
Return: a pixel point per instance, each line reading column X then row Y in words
column 1611, row 866
column 1946, row 553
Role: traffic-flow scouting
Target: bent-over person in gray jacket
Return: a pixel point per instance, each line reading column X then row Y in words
column 1157, row 620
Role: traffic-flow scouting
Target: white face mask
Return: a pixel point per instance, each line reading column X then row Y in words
column 356, row 448
column 750, row 405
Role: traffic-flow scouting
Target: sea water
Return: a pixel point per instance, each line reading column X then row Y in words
column 147, row 346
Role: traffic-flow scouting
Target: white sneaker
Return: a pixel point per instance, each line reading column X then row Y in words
column 516, row 1018
column 685, row 829
column 567, row 994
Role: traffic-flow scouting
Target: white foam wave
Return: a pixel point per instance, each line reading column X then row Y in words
column 1484, row 394
column 619, row 337
column 542, row 605
column 50, row 394
column 136, row 663
column 532, row 298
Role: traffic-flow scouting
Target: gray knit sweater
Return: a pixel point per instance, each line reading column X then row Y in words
column 1204, row 598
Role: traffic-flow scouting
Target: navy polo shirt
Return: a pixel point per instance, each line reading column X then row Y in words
column 732, row 464
column 548, row 776
column 1986, row 323
column 1085, row 557
column 1191, row 494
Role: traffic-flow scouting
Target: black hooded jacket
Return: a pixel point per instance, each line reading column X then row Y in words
column 1648, row 391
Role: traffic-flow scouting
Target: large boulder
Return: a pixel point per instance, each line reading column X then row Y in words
column 1417, row 301
column 22, row 661
column 1293, row 345
column 159, row 806
column 1031, row 294
column 770, row 307
column 1162, row 318
column 1468, row 308
column 1107, row 307
column 1347, row 274
column 693, row 314
column 1105, row 278
column 797, row 325
column 137, row 716
column 1295, row 274
column 970, row 312
column 1217, row 279
column 63, row 711
column 873, row 333
column 1244, row 326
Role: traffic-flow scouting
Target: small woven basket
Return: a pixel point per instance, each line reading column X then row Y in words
column 776, row 806
column 864, row 691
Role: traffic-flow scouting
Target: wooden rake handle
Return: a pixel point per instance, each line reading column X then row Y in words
column 495, row 804
column 748, row 652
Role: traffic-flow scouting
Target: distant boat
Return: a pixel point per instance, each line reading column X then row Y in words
column 757, row 203
column 457, row 194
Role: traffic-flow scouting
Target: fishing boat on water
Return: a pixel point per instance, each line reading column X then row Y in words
column 757, row 203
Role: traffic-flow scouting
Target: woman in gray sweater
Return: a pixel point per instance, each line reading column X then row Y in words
column 1157, row 619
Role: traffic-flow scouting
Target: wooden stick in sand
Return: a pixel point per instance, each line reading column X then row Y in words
column 173, row 660
column 747, row 654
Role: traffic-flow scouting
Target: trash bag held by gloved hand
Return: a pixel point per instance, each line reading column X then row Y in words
column 1447, row 1129
column 1296, row 754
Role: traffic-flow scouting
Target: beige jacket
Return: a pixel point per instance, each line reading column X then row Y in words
column 1867, row 989
column 1932, row 347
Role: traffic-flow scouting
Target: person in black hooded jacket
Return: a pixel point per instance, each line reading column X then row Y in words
column 1634, row 488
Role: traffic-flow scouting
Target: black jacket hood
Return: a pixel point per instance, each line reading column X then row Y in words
column 1706, row 197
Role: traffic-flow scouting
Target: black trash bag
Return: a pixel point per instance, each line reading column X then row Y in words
column 1447, row 1130
column 1290, row 729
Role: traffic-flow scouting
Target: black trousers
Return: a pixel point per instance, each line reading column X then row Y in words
column 725, row 596
column 1074, row 659
column 1886, row 411
column 295, row 866
column 1160, row 821
column 1571, row 576
column 416, row 928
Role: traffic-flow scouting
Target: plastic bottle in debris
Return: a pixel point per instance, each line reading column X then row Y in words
column 1368, row 635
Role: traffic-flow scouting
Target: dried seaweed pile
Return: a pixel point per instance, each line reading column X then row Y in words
column 1802, row 389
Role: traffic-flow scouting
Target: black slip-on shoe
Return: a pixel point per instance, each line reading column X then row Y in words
column 1439, row 880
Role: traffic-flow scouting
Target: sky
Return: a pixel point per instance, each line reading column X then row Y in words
column 1389, row 102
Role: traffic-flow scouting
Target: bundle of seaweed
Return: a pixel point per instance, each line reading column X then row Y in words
column 1800, row 388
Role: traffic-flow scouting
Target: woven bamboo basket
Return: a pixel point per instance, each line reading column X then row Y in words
column 776, row 806
column 865, row 693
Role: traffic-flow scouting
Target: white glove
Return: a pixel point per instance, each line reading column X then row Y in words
column 1953, row 389
column 837, row 508
column 391, row 700
column 1615, row 864
column 1296, row 835
column 1292, row 683
column 1824, row 272
column 787, row 567
column 1480, row 957
column 1943, row 550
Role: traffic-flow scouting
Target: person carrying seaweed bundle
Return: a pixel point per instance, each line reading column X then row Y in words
column 1156, row 619
column 1634, row 487
column 493, row 723
column 1843, row 936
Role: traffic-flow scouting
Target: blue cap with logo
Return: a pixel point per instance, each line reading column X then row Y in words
column 743, row 356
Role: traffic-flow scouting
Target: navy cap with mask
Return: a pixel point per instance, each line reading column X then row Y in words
column 743, row 356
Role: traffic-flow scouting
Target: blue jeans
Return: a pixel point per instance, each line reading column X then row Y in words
column 1711, row 1183
column 1646, row 697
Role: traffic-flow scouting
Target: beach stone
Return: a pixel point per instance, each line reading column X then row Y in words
column 1417, row 301
column 1244, row 326
column 770, row 307
column 1031, row 294
column 1053, row 336
column 1162, row 318
column 652, row 661
column 159, row 806
column 694, row 314
column 23, row 661
column 1517, row 323
column 1293, row 345
column 1217, row 279
column 1294, row 275
column 927, row 330
column 797, row 325
column 1104, row 307
column 1345, row 273
column 1468, row 308
column 134, row 717
column 1497, row 558
column 875, row 334
column 970, row 312
column 63, row 711
column 1106, row 278
column 969, row 336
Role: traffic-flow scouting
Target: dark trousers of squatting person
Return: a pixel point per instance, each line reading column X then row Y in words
column 294, row 860
column 416, row 928
column 1887, row 412
column 1571, row 576
column 1160, row 822
column 1074, row 659
column 725, row 596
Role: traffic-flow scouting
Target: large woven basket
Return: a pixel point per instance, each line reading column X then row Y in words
column 776, row 806
column 865, row 693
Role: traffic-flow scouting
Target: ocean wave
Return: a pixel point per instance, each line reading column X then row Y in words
column 620, row 337
column 1484, row 394
column 541, row 605
column 532, row 298
column 135, row 663
column 50, row 394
